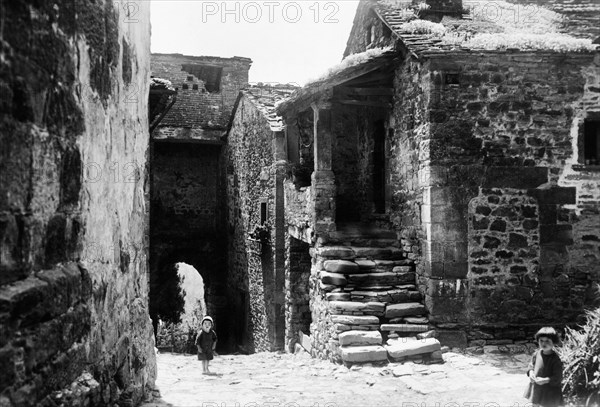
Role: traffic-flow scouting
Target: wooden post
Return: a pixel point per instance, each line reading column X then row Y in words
column 323, row 179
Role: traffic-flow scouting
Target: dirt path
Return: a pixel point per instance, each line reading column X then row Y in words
column 272, row 379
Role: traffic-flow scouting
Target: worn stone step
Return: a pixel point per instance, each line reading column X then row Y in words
column 381, row 278
column 404, row 310
column 355, row 319
column 337, row 296
column 360, row 338
column 404, row 328
column 344, row 327
column 341, row 266
column 363, row 354
column 333, row 278
column 354, row 308
column 415, row 320
column 349, row 231
column 378, row 253
column 336, row 252
column 397, row 266
column 388, row 296
column 401, row 349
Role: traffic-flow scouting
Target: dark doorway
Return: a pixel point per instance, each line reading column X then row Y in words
column 298, row 317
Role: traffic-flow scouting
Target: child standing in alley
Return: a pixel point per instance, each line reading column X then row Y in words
column 206, row 342
column 545, row 371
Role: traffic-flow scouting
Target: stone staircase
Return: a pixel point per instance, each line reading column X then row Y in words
column 375, row 307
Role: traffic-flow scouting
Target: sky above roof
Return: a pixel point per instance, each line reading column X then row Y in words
column 288, row 41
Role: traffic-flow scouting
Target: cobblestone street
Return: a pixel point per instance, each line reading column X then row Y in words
column 271, row 379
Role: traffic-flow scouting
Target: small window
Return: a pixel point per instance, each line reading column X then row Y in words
column 195, row 86
column 185, row 86
column 263, row 213
column 591, row 142
column 451, row 79
column 190, row 78
column 369, row 34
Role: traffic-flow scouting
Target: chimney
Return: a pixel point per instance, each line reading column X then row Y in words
column 440, row 8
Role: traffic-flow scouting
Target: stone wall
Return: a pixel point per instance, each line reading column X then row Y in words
column 407, row 166
column 201, row 106
column 73, row 214
column 367, row 27
column 506, row 190
column 250, row 184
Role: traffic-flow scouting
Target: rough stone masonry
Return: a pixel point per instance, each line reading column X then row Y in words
column 74, row 323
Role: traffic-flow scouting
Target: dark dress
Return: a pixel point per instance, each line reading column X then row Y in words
column 550, row 394
column 204, row 343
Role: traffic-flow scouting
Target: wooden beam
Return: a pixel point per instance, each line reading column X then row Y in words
column 348, row 90
column 355, row 102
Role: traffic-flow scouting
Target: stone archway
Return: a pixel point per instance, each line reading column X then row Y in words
column 189, row 296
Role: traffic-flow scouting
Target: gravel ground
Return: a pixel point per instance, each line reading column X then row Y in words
column 277, row 379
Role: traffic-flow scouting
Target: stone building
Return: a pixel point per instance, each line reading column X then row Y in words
column 187, row 181
column 74, row 323
column 455, row 182
column 256, row 168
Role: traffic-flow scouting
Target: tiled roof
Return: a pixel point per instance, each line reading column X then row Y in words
column 582, row 21
column 196, row 106
column 265, row 98
column 582, row 16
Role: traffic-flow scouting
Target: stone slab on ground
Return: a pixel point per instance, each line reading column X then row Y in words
column 360, row 338
column 363, row 354
column 355, row 319
column 402, row 349
column 404, row 309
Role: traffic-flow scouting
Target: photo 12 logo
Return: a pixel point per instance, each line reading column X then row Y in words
column 114, row 172
column 271, row 11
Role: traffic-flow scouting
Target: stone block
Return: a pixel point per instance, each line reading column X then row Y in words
column 367, row 308
column 416, row 320
column 406, row 309
column 382, row 279
column 355, row 319
column 341, row 266
column 26, row 299
column 338, row 252
column 333, row 278
column 404, row 327
column 363, row 354
column 427, row 334
column 365, row 265
column 360, row 338
column 453, row 339
column 337, row 296
column 555, row 196
column 411, row 348
column 515, row 177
